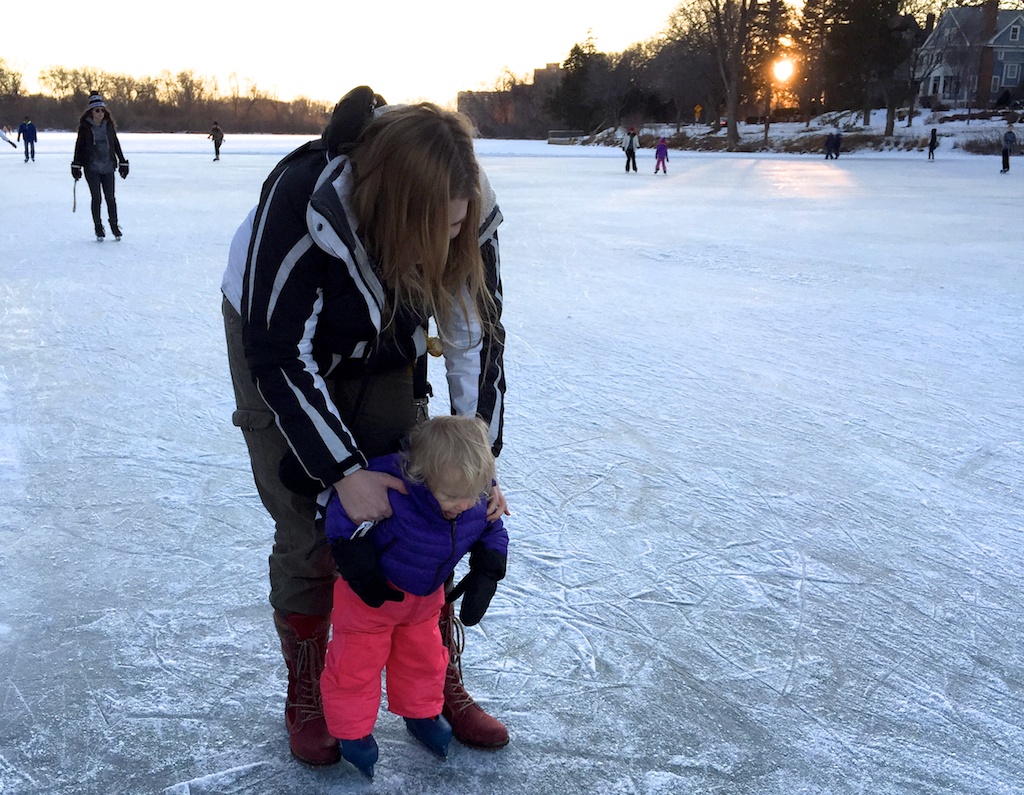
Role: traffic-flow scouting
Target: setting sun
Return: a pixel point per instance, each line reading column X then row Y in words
column 782, row 70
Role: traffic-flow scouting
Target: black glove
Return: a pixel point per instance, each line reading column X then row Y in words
column 76, row 172
column 123, row 169
column 486, row 567
column 358, row 566
column 13, row 144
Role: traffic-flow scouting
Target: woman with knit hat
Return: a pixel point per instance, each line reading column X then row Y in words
column 98, row 154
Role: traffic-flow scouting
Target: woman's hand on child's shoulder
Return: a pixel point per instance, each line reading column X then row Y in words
column 496, row 504
column 364, row 495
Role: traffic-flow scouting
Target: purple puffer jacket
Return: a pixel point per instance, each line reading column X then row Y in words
column 417, row 547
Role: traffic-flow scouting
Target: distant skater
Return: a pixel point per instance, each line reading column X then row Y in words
column 830, row 146
column 1009, row 141
column 98, row 153
column 933, row 144
column 661, row 157
column 629, row 145
column 217, row 134
column 27, row 131
column 838, row 144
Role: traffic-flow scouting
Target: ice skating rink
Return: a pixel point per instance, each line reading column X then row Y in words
column 763, row 451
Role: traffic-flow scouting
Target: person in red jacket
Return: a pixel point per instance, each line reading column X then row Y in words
column 388, row 601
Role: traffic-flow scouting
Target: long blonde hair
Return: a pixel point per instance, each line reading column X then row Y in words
column 410, row 163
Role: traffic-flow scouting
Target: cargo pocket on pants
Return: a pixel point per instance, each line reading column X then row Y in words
column 252, row 419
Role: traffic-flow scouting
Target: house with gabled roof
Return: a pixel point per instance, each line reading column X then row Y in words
column 974, row 55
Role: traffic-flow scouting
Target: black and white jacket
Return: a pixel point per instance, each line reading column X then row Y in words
column 313, row 304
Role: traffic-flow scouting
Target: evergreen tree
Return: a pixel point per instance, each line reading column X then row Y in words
column 573, row 102
column 868, row 44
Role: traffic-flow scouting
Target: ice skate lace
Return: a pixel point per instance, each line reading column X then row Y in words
column 453, row 633
column 308, row 702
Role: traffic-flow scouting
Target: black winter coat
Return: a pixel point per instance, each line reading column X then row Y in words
column 84, row 146
column 314, row 306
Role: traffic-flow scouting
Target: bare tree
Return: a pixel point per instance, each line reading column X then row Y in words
column 59, row 81
column 729, row 25
column 684, row 70
column 187, row 92
column 816, row 20
column 10, row 81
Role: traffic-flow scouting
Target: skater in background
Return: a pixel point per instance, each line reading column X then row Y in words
column 27, row 131
column 830, row 146
column 933, row 144
column 217, row 134
column 629, row 145
column 98, row 154
column 838, row 145
column 388, row 600
column 1009, row 141
column 3, row 134
column 661, row 157
column 403, row 226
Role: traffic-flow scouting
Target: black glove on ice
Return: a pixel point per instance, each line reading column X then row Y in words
column 76, row 172
column 358, row 566
column 486, row 567
column 123, row 169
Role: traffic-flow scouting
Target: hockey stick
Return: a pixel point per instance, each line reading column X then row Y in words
column 74, row 195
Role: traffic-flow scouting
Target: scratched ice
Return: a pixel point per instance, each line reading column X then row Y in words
column 764, row 454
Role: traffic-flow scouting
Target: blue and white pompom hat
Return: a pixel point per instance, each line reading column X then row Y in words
column 95, row 101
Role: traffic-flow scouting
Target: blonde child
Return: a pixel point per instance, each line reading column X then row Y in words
column 391, row 591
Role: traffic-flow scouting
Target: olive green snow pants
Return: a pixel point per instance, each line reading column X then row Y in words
column 302, row 570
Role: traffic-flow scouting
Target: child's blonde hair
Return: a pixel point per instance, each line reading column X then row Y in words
column 451, row 454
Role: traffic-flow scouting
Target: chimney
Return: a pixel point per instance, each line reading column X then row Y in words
column 989, row 17
column 929, row 25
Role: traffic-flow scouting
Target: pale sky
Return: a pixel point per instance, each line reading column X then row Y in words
column 406, row 51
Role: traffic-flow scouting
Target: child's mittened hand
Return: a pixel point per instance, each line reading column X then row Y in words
column 375, row 591
column 479, row 590
column 358, row 566
column 486, row 567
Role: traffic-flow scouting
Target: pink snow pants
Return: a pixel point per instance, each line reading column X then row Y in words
column 402, row 637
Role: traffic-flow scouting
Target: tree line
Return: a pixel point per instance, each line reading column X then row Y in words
column 713, row 64
column 182, row 102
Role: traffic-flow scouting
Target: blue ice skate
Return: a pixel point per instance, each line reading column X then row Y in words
column 434, row 733
column 361, row 753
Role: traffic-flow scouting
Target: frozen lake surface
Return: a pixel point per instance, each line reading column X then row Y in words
column 763, row 451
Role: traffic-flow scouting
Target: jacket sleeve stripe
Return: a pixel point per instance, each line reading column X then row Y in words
column 281, row 278
column 340, row 448
column 257, row 238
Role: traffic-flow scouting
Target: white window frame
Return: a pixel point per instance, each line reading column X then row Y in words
column 1014, row 32
column 1011, row 71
